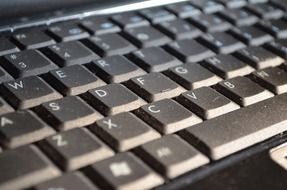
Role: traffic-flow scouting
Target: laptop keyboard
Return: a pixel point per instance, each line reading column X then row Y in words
column 135, row 100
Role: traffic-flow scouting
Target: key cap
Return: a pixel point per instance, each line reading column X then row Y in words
column 279, row 47
column 109, row 44
column 112, row 99
column 251, row 35
column 100, row 26
column 4, row 76
column 7, row 47
column 154, row 59
column 71, row 181
column 208, row 6
column 280, row 3
column 192, row 75
column 237, row 130
column 243, row 91
column 28, row 92
column 27, row 63
column 67, row 32
column 115, row 69
column 24, row 167
column 277, row 28
column 239, row 17
column 227, row 66
column 157, row 15
column 274, row 79
column 70, row 53
column 179, row 29
column 189, row 50
column 67, row 113
column 183, row 10
column 233, row 3
column 124, row 171
column 210, row 23
column 166, row 157
column 32, row 40
column 266, row 11
column 259, row 58
column 257, row 1
column 130, row 20
column 73, row 80
column 5, row 107
column 22, row 127
column 75, row 149
column 206, row 102
column 221, row 42
column 124, row 131
column 154, row 86
column 167, row 116
column 146, row 36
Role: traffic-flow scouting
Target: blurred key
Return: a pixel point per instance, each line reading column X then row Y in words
column 279, row 47
column 130, row 20
column 239, row 17
column 4, row 76
column 99, row 26
column 210, row 23
column 233, row 3
column 208, row 6
column 7, row 47
column 277, row 28
column 157, row 15
column 5, row 107
column 266, row 11
column 67, row 32
column 183, row 10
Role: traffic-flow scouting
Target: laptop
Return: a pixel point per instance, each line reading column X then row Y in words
column 138, row 94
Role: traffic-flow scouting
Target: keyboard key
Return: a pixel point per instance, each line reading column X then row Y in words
column 5, row 107
column 243, row 91
column 70, row 181
column 206, row 102
column 67, row 32
column 192, row 75
column 274, row 79
column 208, row 6
column 189, row 50
column 183, row 10
column 280, row 3
column 28, row 92
column 67, row 113
column 227, row 66
column 109, row 44
column 266, row 11
column 233, row 3
column 157, row 15
column 130, row 20
column 7, row 47
column 115, row 69
column 70, row 53
column 100, row 26
column 239, row 17
column 112, row 99
column 124, row 171
column 154, row 59
column 167, row 116
column 240, row 129
column 154, row 86
column 4, row 76
column 146, row 36
column 75, row 149
column 124, row 131
column 277, row 28
column 279, row 47
column 210, row 23
column 167, row 158
column 259, row 58
column 33, row 39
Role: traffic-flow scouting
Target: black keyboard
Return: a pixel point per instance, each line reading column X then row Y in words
column 137, row 100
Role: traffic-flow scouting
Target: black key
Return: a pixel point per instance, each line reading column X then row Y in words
column 154, row 59
column 154, row 86
column 75, row 149
column 277, row 28
column 157, row 15
column 146, row 36
column 113, row 99
column 98, row 26
column 210, row 23
column 233, row 3
column 179, row 29
column 7, row 47
column 73, row 80
column 243, row 91
column 167, row 158
column 192, row 75
column 167, row 116
column 27, row 63
column 280, row 3
column 130, row 20
column 227, row 66
column 4, row 107
column 274, row 79
column 70, row 181
column 251, row 36
column 22, row 127
column 239, row 17
column 70, row 53
column 67, row 32
column 259, row 58
column 266, row 10
column 279, row 47
column 183, row 10
column 221, row 42
column 208, row 6
column 33, row 39
column 124, row 131
column 242, row 128
column 189, row 50
column 206, row 102
column 115, row 69
column 4, row 76
column 110, row 44
column 28, row 92
column 123, row 171
column 67, row 113
column 24, row 167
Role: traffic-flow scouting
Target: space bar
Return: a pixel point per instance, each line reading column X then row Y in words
column 240, row 129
